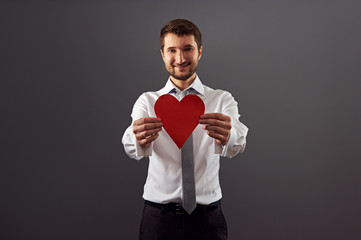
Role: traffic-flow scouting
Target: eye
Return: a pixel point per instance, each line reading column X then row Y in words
column 171, row 50
column 188, row 49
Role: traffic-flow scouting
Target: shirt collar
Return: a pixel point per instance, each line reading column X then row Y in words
column 196, row 85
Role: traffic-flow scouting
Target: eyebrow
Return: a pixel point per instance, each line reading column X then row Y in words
column 186, row 46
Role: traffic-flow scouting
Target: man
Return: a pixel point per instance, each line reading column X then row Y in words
column 219, row 133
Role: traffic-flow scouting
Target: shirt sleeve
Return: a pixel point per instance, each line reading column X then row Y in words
column 237, row 140
column 131, row 146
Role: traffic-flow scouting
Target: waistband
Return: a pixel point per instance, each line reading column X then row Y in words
column 178, row 209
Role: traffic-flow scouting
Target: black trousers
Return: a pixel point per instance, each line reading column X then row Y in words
column 171, row 222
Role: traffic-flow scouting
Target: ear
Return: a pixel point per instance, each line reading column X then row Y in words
column 161, row 52
column 200, row 52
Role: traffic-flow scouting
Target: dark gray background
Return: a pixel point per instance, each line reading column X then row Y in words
column 72, row 70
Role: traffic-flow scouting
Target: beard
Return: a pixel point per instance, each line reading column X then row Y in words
column 192, row 70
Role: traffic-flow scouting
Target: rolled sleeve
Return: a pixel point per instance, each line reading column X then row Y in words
column 131, row 146
column 237, row 140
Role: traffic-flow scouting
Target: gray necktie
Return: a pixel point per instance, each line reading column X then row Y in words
column 189, row 188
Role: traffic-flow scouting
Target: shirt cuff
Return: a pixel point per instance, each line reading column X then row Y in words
column 142, row 152
column 223, row 150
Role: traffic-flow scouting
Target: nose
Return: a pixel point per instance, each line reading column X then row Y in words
column 180, row 57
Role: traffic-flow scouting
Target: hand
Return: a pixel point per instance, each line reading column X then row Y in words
column 146, row 130
column 218, row 126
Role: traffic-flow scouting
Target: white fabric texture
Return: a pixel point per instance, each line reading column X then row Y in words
column 164, row 180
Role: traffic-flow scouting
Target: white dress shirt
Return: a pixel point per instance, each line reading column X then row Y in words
column 164, row 181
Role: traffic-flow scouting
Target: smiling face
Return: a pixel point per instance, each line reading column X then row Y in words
column 181, row 55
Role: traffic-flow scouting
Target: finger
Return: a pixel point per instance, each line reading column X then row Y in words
column 218, row 116
column 146, row 134
column 215, row 122
column 146, row 126
column 147, row 141
column 219, row 130
column 141, row 121
column 220, row 139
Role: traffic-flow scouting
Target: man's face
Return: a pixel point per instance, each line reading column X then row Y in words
column 181, row 55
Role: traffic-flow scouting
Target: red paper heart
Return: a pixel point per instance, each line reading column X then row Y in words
column 179, row 118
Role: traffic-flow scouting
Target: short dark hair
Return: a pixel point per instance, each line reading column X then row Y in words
column 181, row 27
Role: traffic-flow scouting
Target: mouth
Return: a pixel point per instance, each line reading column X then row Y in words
column 182, row 67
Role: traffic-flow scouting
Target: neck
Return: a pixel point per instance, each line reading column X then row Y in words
column 183, row 84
